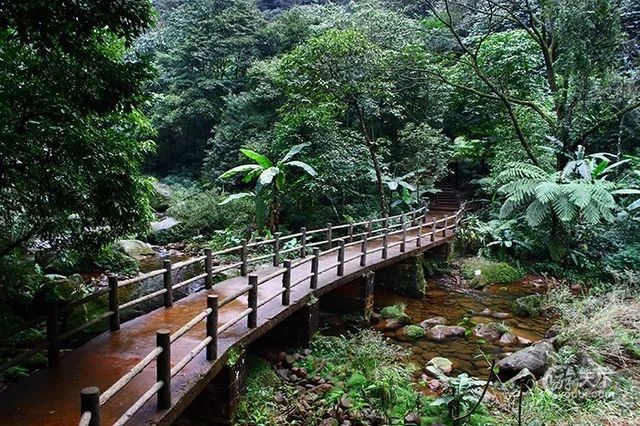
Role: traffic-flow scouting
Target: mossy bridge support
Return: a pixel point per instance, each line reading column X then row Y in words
column 150, row 369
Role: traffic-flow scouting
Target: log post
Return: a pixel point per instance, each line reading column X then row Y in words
column 53, row 331
column 276, row 249
column 212, row 327
column 168, row 284
column 315, row 264
column 303, row 242
column 329, row 235
column 363, row 257
column 252, row 297
column 340, row 271
column 286, row 283
column 244, row 265
column 208, row 268
column 163, row 368
column 90, row 401
column 114, row 307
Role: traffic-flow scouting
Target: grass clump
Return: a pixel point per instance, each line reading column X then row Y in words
column 528, row 306
column 414, row 332
column 495, row 272
column 394, row 312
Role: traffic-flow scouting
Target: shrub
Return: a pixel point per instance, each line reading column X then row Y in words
column 495, row 272
column 528, row 306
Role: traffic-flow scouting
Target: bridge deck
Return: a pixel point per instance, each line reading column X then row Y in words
column 51, row 396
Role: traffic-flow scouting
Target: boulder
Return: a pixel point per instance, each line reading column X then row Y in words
column 136, row 249
column 535, row 358
column 508, row 339
column 164, row 225
column 430, row 322
column 442, row 364
column 161, row 196
column 442, row 332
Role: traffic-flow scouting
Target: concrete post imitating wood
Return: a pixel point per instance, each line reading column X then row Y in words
column 403, row 243
column 446, row 222
column 90, row 401
column 385, row 243
column 276, row 249
column 419, row 239
column 244, row 261
column 369, row 228
column 168, row 284
column 114, row 307
column 53, row 332
column 351, row 232
column 433, row 230
column 426, row 210
column 163, row 368
column 363, row 248
column 286, row 283
column 252, row 298
column 303, row 242
column 315, row 265
column 340, row 271
column 212, row 327
column 208, row 268
column 455, row 223
column 329, row 235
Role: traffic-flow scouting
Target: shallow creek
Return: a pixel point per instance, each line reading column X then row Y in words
column 461, row 306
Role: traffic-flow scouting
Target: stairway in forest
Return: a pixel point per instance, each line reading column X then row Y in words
column 446, row 199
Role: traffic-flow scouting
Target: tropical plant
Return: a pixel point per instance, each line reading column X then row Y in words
column 460, row 397
column 270, row 181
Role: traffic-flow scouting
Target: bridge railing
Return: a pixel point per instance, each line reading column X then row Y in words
column 407, row 225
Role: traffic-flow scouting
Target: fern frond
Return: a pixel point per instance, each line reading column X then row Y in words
column 536, row 213
column 563, row 208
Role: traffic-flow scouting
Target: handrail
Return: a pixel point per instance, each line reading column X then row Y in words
column 162, row 386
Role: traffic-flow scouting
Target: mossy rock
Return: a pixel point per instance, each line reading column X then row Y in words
column 394, row 312
column 494, row 272
column 406, row 278
column 412, row 332
column 479, row 281
column 527, row 306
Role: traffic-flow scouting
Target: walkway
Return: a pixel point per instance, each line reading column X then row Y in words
column 51, row 396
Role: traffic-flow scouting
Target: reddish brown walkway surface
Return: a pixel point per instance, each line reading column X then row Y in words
column 52, row 396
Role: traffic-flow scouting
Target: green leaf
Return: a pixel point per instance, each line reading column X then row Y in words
column 304, row 166
column 233, row 197
column 293, row 152
column 267, row 176
column 628, row 191
column 239, row 169
column 258, row 158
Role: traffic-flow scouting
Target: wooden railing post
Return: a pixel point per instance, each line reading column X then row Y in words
column 403, row 244
column 363, row 256
column 303, row 242
column 455, row 223
column 369, row 228
column 426, row 210
column 276, row 249
column 286, row 283
column 252, row 296
column 243, row 259
column 385, row 223
column 385, row 243
column 168, row 284
column 208, row 268
column 419, row 239
column 90, row 401
column 53, row 331
column 433, row 229
column 351, row 232
column 446, row 222
column 212, row 327
column 315, row 265
column 163, row 368
column 340, row 271
column 329, row 235
column 114, row 306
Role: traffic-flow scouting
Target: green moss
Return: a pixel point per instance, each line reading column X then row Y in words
column 527, row 306
column 494, row 272
column 479, row 281
column 394, row 311
column 414, row 332
column 406, row 278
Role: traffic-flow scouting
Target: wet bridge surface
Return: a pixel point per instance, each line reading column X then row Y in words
column 51, row 396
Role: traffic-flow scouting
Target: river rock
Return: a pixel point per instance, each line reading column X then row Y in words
column 430, row 322
column 508, row 339
column 390, row 324
column 137, row 249
column 161, row 196
column 489, row 331
column 535, row 358
column 410, row 332
column 501, row 315
column 442, row 332
column 441, row 363
column 164, row 225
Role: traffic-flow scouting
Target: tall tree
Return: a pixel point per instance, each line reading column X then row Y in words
column 69, row 128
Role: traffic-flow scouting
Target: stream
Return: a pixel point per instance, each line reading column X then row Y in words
column 462, row 306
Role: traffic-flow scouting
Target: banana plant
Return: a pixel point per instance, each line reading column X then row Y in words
column 270, row 181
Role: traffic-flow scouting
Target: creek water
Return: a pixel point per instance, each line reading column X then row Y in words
column 462, row 306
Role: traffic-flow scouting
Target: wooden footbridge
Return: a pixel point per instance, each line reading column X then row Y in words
column 149, row 369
